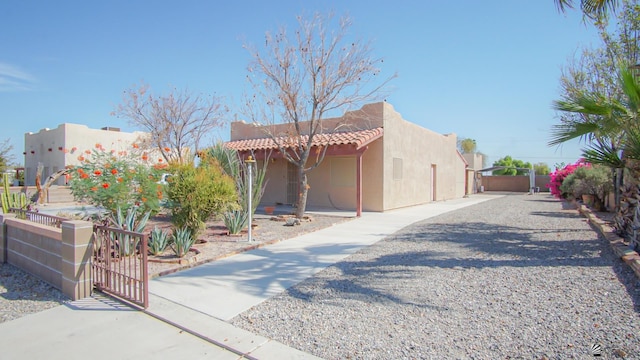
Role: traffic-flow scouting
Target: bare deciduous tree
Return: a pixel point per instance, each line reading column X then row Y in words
column 5, row 154
column 300, row 78
column 176, row 122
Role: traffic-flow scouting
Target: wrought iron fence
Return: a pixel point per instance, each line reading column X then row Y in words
column 34, row 216
column 120, row 264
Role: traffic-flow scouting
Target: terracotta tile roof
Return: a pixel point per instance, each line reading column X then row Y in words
column 358, row 138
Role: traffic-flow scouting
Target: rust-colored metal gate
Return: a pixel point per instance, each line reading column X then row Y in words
column 119, row 265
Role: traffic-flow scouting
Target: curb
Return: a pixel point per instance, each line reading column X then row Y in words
column 621, row 249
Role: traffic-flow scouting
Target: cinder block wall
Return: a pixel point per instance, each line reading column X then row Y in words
column 61, row 257
column 35, row 249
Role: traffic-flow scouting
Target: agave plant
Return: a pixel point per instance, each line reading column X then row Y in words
column 158, row 241
column 128, row 244
column 235, row 220
column 182, row 241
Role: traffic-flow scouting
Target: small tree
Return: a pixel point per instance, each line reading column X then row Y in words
column 300, row 78
column 541, row 168
column 467, row 146
column 118, row 180
column 513, row 166
column 177, row 122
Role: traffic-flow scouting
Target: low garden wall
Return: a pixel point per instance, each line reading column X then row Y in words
column 513, row 183
column 59, row 256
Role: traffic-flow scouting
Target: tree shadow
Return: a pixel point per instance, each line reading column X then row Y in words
column 478, row 245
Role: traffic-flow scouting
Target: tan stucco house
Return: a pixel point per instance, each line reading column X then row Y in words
column 376, row 162
column 60, row 147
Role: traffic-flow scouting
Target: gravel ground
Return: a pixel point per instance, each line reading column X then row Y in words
column 513, row 278
column 23, row 294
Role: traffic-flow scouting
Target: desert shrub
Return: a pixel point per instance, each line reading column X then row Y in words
column 117, row 180
column 198, row 193
column 593, row 180
column 233, row 165
column 557, row 177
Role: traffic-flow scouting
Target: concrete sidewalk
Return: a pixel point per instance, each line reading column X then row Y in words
column 194, row 304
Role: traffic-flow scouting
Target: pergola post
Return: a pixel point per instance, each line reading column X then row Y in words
column 359, row 184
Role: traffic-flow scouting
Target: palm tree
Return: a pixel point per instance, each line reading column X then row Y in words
column 611, row 130
column 590, row 8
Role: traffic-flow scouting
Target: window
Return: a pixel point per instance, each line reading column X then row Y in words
column 397, row 169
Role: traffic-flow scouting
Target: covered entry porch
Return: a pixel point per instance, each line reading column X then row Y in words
column 336, row 183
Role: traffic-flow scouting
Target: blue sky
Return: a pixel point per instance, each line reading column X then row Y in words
column 487, row 70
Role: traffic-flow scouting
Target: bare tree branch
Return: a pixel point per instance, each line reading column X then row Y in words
column 299, row 79
column 177, row 122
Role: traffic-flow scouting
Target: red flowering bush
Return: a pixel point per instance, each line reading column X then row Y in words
column 118, row 181
column 557, row 177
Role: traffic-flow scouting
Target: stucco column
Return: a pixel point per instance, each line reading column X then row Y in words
column 3, row 237
column 77, row 250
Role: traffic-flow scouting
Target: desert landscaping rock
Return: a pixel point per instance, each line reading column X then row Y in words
column 23, row 294
column 512, row 278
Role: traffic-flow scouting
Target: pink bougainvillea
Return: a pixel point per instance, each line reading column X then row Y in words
column 557, row 177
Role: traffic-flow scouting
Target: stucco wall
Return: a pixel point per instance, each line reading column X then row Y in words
column 417, row 150
column 276, row 188
column 333, row 183
column 368, row 117
column 474, row 161
column 59, row 147
column 513, row 183
column 396, row 169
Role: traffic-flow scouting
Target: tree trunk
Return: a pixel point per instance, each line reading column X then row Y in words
column 302, row 195
column 627, row 220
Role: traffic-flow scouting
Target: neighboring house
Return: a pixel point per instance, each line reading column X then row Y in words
column 381, row 162
column 474, row 175
column 61, row 147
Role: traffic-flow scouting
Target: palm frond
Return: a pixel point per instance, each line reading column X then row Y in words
column 584, row 104
column 631, row 89
column 570, row 130
column 603, row 153
column 632, row 145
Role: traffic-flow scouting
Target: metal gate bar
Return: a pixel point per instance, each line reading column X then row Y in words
column 120, row 264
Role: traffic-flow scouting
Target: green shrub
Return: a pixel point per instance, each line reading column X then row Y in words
column 182, row 241
column 117, row 180
column 596, row 180
column 158, row 241
column 198, row 193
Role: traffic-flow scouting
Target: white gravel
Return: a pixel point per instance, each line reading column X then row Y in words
column 23, row 294
column 512, row 278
